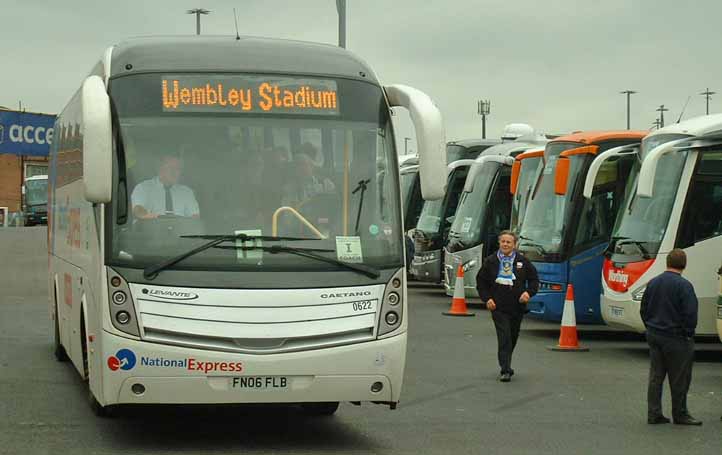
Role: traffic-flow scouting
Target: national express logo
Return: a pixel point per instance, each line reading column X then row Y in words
column 122, row 360
column 125, row 360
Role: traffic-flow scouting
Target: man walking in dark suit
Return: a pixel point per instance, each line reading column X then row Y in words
column 506, row 282
column 669, row 311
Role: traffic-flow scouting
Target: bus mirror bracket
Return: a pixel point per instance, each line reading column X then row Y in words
column 479, row 164
column 600, row 159
column 97, row 141
column 430, row 137
column 515, row 171
column 648, row 171
column 561, row 176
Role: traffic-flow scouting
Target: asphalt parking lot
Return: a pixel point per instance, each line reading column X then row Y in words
column 575, row 403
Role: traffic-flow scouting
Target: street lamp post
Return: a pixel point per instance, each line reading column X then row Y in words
column 198, row 12
column 483, row 108
column 628, row 93
column 341, row 8
column 707, row 94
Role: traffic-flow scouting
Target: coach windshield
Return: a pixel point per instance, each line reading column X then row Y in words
column 263, row 155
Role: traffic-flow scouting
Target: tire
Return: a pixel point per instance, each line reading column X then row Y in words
column 98, row 409
column 61, row 354
column 320, row 409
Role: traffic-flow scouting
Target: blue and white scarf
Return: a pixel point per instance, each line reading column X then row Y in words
column 506, row 269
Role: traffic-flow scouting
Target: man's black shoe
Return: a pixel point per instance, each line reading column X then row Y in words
column 505, row 377
column 687, row 420
column 657, row 420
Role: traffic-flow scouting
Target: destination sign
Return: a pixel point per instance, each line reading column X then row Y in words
column 249, row 94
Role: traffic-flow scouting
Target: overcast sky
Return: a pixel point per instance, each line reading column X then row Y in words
column 557, row 65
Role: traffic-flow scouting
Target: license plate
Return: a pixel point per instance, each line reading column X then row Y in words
column 617, row 312
column 259, row 382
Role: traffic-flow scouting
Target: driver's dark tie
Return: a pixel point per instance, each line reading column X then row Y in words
column 168, row 200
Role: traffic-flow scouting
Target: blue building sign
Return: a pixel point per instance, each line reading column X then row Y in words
column 24, row 133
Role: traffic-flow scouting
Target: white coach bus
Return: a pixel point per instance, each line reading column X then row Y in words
column 673, row 200
column 218, row 229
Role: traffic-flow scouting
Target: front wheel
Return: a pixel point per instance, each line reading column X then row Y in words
column 320, row 409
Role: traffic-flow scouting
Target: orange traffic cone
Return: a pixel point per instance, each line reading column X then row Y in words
column 458, row 302
column 568, row 340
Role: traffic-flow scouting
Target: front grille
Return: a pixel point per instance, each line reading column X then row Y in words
column 258, row 345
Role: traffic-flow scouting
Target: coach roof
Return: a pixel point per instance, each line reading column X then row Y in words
column 593, row 137
column 227, row 54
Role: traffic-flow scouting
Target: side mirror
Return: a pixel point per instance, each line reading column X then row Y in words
column 561, row 176
column 430, row 139
column 97, row 141
column 515, row 171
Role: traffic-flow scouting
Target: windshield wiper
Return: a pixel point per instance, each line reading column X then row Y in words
column 538, row 246
column 362, row 186
column 637, row 243
column 150, row 272
column 309, row 253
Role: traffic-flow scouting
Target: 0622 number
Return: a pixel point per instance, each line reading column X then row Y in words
column 363, row 306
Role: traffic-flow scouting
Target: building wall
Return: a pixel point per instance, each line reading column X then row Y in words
column 11, row 174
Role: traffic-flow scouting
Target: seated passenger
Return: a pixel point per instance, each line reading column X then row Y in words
column 163, row 195
column 305, row 184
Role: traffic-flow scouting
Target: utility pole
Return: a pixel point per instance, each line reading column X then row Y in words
column 198, row 12
column 406, row 145
column 707, row 94
column 661, row 109
column 483, row 108
column 628, row 93
column 656, row 123
column 341, row 9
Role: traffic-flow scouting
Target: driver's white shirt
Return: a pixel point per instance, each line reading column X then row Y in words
column 151, row 195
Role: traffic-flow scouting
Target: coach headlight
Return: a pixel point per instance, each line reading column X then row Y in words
column 122, row 310
column 392, row 305
column 637, row 294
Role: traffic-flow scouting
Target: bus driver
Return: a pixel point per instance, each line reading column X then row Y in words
column 163, row 195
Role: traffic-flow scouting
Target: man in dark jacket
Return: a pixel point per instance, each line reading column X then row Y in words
column 669, row 311
column 506, row 282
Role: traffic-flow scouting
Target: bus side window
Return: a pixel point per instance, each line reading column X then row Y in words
column 703, row 211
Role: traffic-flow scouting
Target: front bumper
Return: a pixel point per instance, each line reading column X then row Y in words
column 170, row 374
column 621, row 313
column 547, row 306
column 426, row 266
column 36, row 218
column 452, row 262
